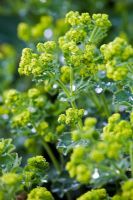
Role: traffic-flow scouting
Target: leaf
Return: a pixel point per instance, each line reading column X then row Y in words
column 62, row 183
column 123, row 97
column 65, row 144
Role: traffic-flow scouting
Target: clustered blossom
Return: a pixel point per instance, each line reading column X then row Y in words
column 88, row 130
column 112, row 146
column 77, row 47
column 11, row 179
column 72, row 116
column 38, row 162
column 27, row 32
column 15, row 178
column 40, row 193
column 30, row 116
column 21, row 119
column 11, row 96
column 77, row 168
column 37, row 63
column 80, row 51
column 65, row 74
column 98, row 194
column 78, row 44
column 118, row 58
column 127, row 191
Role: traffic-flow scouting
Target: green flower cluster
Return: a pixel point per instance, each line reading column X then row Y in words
column 40, row 193
column 21, row 119
column 117, row 131
column 38, row 63
column 77, row 168
column 72, row 116
column 88, row 130
column 104, row 149
column 127, row 191
column 100, row 20
column 34, row 173
column 118, row 58
column 113, row 144
column 11, row 179
column 78, row 44
column 10, row 184
column 65, row 74
column 30, row 115
column 44, row 131
column 15, row 179
column 27, row 32
column 37, row 162
column 10, row 96
column 97, row 194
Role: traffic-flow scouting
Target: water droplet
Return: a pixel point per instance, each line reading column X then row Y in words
column 108, row 84
column 62, row 59
column 122, row 108
column 33, row 130
column 43, row 1
column 55, row 86
column 63, row 99
column 32, row 109
column 98, row 90
column 95, row 174
column 5, row 116
column 73, row 87
column 48, row 33
column 85, row 112
column 130, row 98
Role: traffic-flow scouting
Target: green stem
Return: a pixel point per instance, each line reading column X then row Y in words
column 95, row 34
column 71, row 93
column 64, row 88
column 105, row 105
column 92, row 36
column 121, row 171
column 73, row 104
column 131, row 157
column 71, row 80
column 68, row 196
column 95, row 100
column 52, row 157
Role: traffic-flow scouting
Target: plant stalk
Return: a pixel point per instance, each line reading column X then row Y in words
column 131, row 157
column 52, row 157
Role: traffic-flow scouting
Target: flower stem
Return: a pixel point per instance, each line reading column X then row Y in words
column 71, row 93
column 105, row 105
column 68, row 196
column 131, row 157
column 52, row 157
column 68, row 94
column 95, row 100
